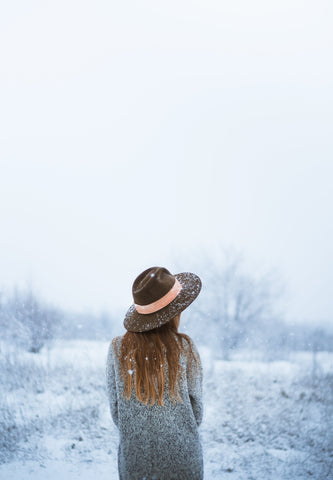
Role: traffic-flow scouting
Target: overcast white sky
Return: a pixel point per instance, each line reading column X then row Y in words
column 132, row 131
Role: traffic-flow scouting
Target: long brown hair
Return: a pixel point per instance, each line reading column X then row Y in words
column 143, row 357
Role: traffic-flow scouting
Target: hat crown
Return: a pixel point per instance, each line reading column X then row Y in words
column 151, row 285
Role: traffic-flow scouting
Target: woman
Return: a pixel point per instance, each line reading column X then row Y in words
column 154, row 382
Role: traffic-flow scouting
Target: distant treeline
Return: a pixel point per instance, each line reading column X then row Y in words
column 236, row 309
column 27, row 321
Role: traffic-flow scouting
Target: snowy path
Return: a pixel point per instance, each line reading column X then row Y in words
column 262, row 419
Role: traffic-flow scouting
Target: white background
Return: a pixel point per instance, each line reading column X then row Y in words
column 131, row 132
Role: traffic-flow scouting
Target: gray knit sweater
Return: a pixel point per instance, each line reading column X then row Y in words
column 158, row 442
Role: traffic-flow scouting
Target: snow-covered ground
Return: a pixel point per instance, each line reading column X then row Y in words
column 263, row 420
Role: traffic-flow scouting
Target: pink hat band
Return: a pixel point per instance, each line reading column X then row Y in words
column 160, row 303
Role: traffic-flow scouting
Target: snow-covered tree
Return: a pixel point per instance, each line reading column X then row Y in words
column 28, row 321
column 237, row 303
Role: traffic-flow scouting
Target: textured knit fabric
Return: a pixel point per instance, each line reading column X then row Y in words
column 158, row 442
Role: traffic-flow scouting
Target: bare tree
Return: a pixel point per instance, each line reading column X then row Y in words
column 28, row 321
column 237, row 302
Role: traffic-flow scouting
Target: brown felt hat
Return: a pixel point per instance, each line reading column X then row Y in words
column 158, row 297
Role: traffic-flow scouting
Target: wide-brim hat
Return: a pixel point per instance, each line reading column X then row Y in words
column 158, row 297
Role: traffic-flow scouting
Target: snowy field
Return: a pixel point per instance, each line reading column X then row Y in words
column 263, row 420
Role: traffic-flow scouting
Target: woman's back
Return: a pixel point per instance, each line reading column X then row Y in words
column 160, row 442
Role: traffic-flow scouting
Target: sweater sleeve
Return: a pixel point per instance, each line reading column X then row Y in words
column 194, row 382
column 111, row 385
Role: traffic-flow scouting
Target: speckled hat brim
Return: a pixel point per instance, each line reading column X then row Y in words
column 137, row 322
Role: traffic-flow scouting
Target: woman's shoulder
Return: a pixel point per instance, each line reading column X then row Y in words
column 189, row 345
column 114, row 346
column 188, row 341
